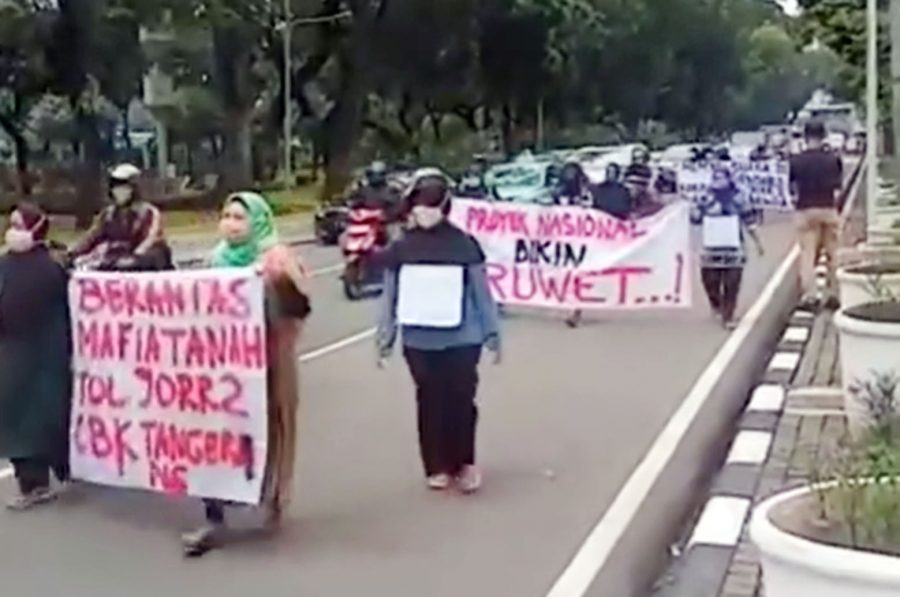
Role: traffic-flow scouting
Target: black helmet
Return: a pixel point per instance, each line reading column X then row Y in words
column 376, row 173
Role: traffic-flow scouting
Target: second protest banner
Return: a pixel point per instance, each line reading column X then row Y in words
column 766, row 183
column 575, row 258
column 170, row 382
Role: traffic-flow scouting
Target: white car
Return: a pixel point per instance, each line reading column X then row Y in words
column 836, row 141
column 594, row 161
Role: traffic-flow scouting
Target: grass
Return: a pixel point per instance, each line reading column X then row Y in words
column 287, row 203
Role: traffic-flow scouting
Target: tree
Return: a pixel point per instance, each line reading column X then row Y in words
column 23, row 75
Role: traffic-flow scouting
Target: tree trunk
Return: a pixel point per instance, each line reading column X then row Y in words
column 126, row 129
column 23, row 155
column 507, row 127
column 90, row 174
column 895, row 69
column 238, row 151
column 343, row 128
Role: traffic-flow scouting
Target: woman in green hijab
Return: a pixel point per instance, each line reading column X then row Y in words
column 248, row 230
column 249, row 239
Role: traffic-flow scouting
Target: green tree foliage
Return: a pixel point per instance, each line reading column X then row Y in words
column 403, row 77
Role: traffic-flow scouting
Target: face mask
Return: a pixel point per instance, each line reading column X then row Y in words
column 19, row 241
column 122, row 194
column 427, row 217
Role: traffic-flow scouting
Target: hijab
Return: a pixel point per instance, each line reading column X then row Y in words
column 261, row 235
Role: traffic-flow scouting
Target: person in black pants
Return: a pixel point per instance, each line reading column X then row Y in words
column 446, row 383
column 727, row 218
column 437, row 292
column 35, row 359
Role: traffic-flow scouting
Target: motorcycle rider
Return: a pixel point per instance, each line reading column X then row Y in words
column 128, row 234
column 366, row 233
column 377, row 192
column 639, row 174
column 473, row 185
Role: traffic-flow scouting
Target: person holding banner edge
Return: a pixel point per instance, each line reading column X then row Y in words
column 726, row 218
column 250, row 240
column 437, row 292
column 35, row 360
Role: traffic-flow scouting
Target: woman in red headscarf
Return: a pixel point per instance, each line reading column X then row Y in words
column 35, row 378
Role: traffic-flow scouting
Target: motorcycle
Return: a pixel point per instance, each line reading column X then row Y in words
column 109, row 257
column 366, row 233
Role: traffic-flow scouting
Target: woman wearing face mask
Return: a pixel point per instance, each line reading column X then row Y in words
column 726, row 218
column 128, row 234
column 35, row 378
column 249, row 239
column 437, row 293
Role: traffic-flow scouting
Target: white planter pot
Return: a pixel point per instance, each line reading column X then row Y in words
column 867, row 348
column 797, row 567
column 856, row 288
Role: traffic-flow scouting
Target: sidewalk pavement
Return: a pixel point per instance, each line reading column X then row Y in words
column 812, row 420
column 793, row 414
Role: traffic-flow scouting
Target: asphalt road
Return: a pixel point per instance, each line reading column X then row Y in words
column 564, row 421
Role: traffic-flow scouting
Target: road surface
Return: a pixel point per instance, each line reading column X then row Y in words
column 565, row 420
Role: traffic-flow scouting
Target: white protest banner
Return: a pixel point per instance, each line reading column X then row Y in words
column 766, row 182
column 576, row 258
column 170, row 382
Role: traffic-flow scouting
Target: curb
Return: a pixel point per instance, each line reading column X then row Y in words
column 712, row 544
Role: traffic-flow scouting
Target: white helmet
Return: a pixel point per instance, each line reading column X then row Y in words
column 127, row 173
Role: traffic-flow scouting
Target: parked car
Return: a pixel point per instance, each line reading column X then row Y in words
column 329, row 223
column 836, row 141
column 523, row 181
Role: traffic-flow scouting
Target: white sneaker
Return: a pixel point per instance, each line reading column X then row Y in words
column 439, row 482
column 27, row 501
column 469, row 480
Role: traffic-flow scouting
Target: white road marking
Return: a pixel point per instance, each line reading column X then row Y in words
column 721, row 522
column 593, row 554
column 6, row 472
column 766, row 398
column 327, row 270
column 796, row 334
column 336, row 346
column 784, row 361
column 750, row 447
column 803, row 315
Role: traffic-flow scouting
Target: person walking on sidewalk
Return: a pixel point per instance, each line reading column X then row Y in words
column 436, row 291
column 35, row 360
column 726, row 218
column 817, row 178
column 247, row 226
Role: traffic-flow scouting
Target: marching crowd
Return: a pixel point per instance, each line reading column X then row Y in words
column 436, row 299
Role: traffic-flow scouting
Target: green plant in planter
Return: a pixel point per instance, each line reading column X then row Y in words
column 862, row 504
column 875, row 286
